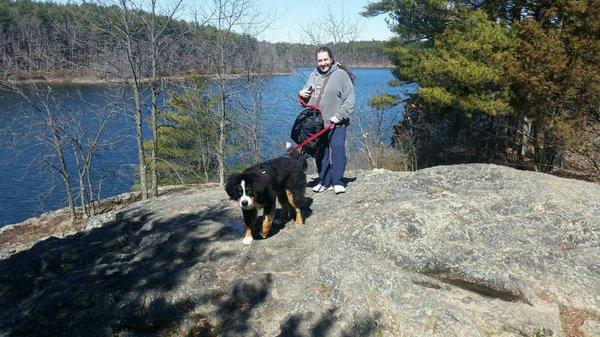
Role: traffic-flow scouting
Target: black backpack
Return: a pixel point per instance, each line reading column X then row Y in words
column 308, row 122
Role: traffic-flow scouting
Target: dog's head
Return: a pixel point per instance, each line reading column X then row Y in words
column 243, row 189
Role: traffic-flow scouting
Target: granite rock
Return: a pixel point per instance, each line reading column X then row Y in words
column 465, row 250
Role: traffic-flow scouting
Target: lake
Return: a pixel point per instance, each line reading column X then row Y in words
column 29, row 190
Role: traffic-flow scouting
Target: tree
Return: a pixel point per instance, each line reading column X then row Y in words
column 373, row 143
column 229, row 16
column 57, row 128
column 158, row 41
column 257, row 66
column 86, row 141
column 124, row 28
column 501, row 80
column 186, row 138
column 461, row 80
column 334, row 27
column 555, row 77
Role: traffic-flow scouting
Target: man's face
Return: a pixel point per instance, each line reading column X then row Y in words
column 323, row 61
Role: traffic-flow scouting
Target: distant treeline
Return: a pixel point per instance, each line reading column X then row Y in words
column 62, row 40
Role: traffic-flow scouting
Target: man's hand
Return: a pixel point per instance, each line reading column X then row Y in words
column 334, row 119
column 305, row 93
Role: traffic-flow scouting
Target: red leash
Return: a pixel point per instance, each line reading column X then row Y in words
column 316, row 135
column 313, row 137
column 304, row 103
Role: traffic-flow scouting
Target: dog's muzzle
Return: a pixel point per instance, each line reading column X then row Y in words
column 246, row 202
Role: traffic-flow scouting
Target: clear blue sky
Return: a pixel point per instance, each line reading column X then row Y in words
column 290, row 15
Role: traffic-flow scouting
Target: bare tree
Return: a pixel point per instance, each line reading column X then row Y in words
column 157, row 44
column 45, row 127
column 146, row 39
column 56, row 128
column 229, row 17
column 86, row 140
column 334, row 27
column 257, row 62
column 127, row 32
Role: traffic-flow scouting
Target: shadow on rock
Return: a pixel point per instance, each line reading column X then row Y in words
column 303, row 325
column 349, row 181
column 131, row 274
column 277, row 226
column 236, row 310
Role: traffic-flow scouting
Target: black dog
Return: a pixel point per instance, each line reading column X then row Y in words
column 282, row 178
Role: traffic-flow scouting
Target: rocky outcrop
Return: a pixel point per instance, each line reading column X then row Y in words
column 467, row 250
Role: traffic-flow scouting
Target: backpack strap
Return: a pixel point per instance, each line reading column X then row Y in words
column 318, row 102
column 304, row 102
column 315, row 106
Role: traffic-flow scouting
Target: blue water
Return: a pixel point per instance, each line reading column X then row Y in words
column 28, row 188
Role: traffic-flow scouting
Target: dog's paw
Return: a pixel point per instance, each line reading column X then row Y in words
column 247, row 240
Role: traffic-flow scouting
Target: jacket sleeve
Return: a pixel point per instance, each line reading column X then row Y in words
column 347, row 98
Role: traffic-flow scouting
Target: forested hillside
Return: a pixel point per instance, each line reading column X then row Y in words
column 83, row 40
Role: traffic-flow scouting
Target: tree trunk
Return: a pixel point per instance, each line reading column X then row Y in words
column 90, row 191
column 84, row 211
column 221, row 147
column 135, row 87
column 154, row 98
column 154, row 122
column 256, row 105
column 64, row 172
column 525, row 135
column 140, row 139
column 378, row 139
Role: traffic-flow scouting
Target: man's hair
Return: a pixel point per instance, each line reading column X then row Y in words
column 327, row 50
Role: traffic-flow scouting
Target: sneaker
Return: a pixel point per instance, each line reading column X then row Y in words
column 337, row 189
column 319, row 188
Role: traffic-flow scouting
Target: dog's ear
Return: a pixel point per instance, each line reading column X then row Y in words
column 231, row 186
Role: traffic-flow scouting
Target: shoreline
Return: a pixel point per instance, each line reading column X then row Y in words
column 90, row 80
column 93, row 80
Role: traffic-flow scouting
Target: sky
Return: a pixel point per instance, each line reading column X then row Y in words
column 289, row 15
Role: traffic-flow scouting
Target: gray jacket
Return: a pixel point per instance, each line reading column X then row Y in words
column 338, row 99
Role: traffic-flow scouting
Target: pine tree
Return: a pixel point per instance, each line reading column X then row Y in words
column 463, row 68
column 187, row 135
column 514, row 82
column 555, row 75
